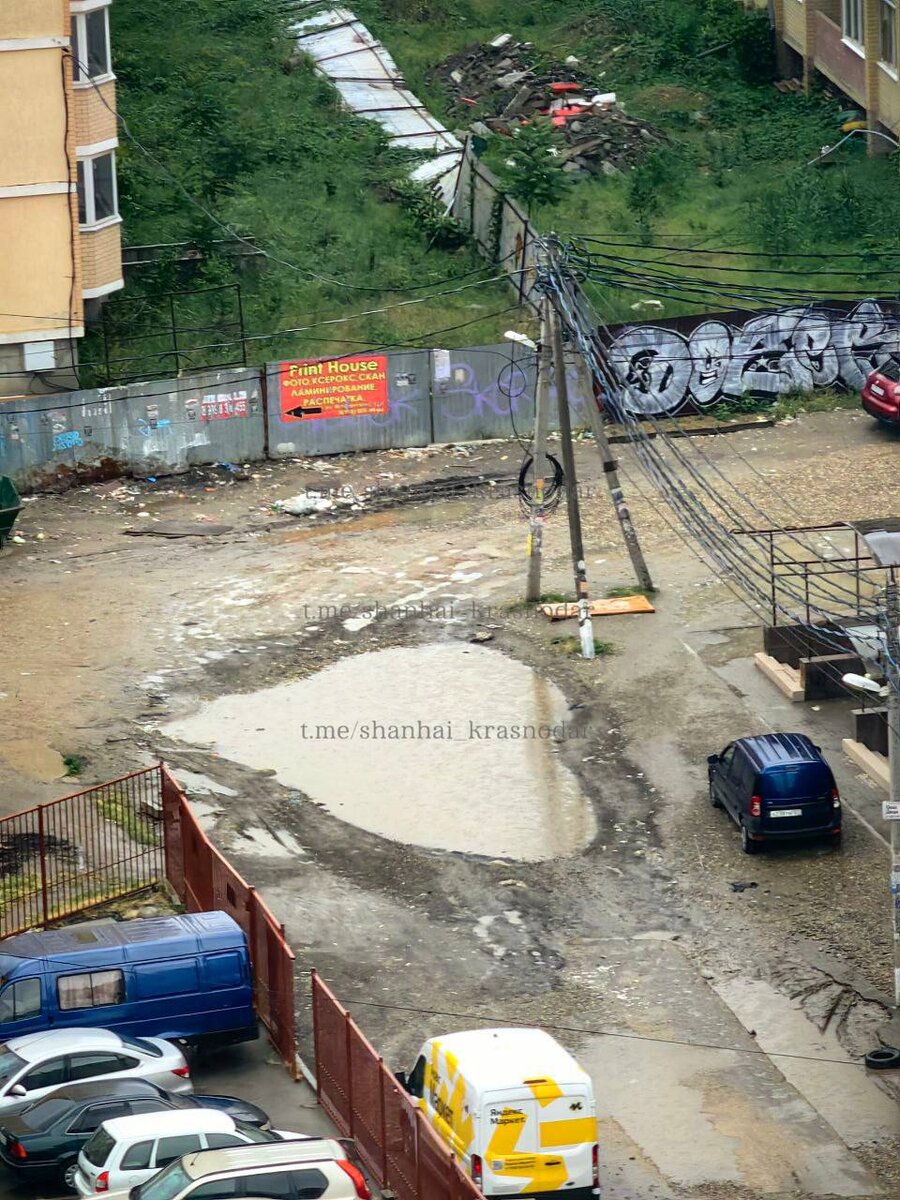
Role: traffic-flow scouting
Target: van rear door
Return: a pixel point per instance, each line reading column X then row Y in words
column 509, row 1137
column 798, row 798
column 541, row 1141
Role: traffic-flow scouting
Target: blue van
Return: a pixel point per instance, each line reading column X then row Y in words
column 182, row 977
column 775, row 787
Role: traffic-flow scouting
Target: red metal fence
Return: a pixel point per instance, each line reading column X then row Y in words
column 104, row 843
column 203, row 880
column 367, row 1103
column 63, row 857
column 100, row 844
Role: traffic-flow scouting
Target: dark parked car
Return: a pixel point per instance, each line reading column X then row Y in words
column 775, row 787
column 44, row 1137
column 881, row 394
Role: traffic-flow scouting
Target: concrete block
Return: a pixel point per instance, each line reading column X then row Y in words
column 871, row 764
column 871, row 729
column 785, row 678
column 820, row 676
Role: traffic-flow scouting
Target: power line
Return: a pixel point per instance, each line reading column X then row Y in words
column 503, row 1019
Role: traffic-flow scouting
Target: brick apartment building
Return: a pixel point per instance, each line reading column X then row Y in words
column 59, row 218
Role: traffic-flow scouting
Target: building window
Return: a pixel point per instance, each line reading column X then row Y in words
column 90, row 45
column 98, row 198
column 887, row 20
column 852, row 20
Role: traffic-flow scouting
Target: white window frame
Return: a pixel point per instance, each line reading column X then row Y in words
column 80, row 41
column 890, row 64
column 86, row 162
column 853, row 23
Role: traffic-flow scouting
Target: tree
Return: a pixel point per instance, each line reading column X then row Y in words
column 532, row 172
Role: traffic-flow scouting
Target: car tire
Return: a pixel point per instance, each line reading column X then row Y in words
column 716, row 803
column 747, row 844
column 885, row 1058
column 67, row 1172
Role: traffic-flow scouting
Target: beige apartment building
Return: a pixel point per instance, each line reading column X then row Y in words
column 60, row 243
column 853, row 43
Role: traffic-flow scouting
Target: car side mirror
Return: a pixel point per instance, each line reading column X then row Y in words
column 712, row 759
column 402, row 1079
column 17, row 1089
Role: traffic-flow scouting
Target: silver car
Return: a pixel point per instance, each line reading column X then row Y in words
column 312, row 1169
column 33, row 1065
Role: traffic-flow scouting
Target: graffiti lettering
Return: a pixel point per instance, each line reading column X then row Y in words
column 68, row 440
column 782, row 351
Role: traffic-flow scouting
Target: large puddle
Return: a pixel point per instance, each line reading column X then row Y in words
column 447, row 746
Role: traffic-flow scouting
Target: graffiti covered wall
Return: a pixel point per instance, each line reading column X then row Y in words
column 792, row 349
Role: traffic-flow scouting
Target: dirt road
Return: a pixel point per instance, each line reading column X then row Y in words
column 576, row 878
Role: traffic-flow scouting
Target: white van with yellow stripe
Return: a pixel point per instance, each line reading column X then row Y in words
column 516, row 1109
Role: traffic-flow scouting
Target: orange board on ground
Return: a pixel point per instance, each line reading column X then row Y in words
column 599, row 608
column 319, row 389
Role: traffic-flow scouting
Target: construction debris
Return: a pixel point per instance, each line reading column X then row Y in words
column 502, row 79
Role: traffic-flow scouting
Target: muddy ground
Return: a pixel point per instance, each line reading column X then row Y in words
column 723, row 1026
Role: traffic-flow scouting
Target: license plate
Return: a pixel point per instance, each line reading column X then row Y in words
column 786, row 812
column 879, row 391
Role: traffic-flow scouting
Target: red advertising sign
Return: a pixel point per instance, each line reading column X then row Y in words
column 316, row 389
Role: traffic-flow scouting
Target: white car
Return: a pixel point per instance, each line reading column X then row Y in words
column 33, row 1065
column 125, row 1151
column 310, row 1169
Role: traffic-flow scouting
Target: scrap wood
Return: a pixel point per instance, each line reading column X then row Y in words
column 612, row 607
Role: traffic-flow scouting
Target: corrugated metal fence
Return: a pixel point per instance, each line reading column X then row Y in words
column 242, row 415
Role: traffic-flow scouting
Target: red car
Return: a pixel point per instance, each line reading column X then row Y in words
column 881, row 394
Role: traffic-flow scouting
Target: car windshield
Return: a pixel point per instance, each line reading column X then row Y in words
column 164, row 1186
column 141, row 1044
column 98, row 1147
column 10, row 1063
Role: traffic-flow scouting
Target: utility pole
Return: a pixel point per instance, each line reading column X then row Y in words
column 585, row 627
column 611, row 475
column 892, row 606
column 541, row 404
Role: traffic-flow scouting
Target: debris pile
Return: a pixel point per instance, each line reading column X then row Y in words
column 502, row 79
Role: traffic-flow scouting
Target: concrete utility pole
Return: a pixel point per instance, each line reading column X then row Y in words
column 585, row 627
column 892, row 606
column 611, row 475
column 541, row 405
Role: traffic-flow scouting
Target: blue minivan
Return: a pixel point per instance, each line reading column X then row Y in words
column 775, row 787
column 184, row 977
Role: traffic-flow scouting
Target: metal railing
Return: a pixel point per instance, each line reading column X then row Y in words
column 99, row 844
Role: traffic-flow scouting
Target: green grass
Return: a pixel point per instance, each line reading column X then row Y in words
column 121, row 812
column 74, row 763
column 207, row 88
column 734, row 175
column 571, row 644
column 619, row 593
column 792, row 404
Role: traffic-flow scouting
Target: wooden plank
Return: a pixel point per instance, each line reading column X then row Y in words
column 871, row 764
column 612, row 607
column 785, row 678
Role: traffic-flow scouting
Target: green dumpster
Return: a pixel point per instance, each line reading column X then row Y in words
column 9, row 507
